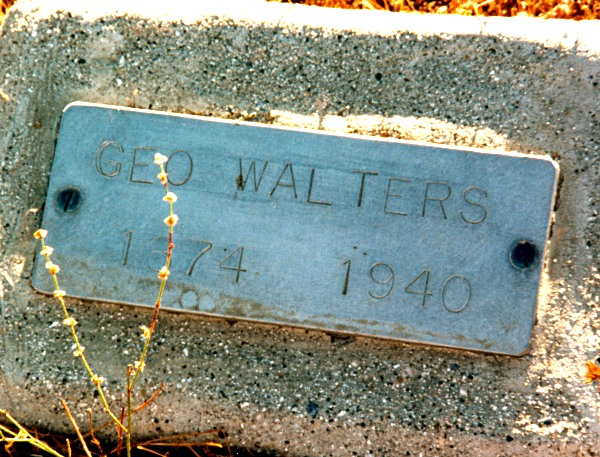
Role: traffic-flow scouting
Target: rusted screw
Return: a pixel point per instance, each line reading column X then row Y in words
column 68, row 199
column 523, row 254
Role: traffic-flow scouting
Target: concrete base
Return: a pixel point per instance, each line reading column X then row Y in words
column 517, row 84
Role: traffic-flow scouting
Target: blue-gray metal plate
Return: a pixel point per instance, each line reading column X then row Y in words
column 372, row 236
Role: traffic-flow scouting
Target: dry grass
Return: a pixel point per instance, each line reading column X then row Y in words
column 557, row 9
column 4, row 6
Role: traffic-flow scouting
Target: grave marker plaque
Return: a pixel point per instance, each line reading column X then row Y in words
column 415, row 242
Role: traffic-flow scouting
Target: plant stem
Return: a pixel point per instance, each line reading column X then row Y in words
column 137, row 369
column 129, row 413
column 80, row 350
column 77, row 431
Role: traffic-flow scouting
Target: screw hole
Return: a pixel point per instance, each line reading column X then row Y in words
column 68, row 199
column 523, row 254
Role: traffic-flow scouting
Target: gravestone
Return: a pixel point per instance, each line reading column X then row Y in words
column 517, row 85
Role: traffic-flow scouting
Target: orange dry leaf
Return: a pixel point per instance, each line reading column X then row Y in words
column 558, row 9
column 592, row 373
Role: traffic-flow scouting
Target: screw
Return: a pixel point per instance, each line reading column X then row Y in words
column 68, row 199
column 523, row 254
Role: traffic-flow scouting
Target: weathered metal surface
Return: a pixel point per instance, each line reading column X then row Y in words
column 415, row 242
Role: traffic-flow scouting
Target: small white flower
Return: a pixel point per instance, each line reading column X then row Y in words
column 40, row 234
column 163, row 177
column 145, row 332
column 163, row 273
column 47, row 251
column 160, row 159
column 170, row 197
column 97, row 379
column 59, row 293
column 70, row 322
column 172, row 220
column 52, row 268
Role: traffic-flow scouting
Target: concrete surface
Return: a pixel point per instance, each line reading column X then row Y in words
column 519, row 84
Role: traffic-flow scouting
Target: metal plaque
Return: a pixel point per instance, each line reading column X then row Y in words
column 416, row 242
